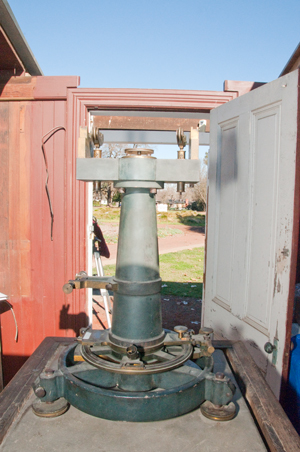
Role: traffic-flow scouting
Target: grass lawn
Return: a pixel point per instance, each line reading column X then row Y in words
column 107, row 214
column 187, row 217
column 181, row 273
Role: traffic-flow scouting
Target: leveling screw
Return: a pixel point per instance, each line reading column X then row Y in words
column 40, row 392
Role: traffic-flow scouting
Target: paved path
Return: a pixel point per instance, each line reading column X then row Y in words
column 192, row 238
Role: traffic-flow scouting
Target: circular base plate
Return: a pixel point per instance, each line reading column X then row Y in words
column 222, row 413
column 50, row 409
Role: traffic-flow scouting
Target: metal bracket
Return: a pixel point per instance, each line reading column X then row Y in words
column 90, row 282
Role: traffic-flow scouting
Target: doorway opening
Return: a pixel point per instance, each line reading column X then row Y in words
column 181, row 228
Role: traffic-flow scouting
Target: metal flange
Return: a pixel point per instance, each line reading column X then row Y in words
column 218, row 413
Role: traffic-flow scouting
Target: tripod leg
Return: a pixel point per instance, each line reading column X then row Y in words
column 104, row 292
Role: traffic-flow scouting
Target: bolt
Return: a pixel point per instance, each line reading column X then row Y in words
column 40, row 392
column 82, row 331
column 132, row 352
column 220, row 376
column 67, row 288
column 49, row 372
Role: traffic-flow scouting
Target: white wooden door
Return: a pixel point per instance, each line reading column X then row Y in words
column 251, row 220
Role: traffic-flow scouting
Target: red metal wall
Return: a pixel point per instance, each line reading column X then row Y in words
column 33, row 268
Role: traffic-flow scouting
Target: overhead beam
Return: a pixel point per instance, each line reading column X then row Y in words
column 153, row 99
column 148, row 137
column 149, row 113
column 146, row 123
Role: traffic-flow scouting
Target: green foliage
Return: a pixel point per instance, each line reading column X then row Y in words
column 192, row 220
column 198, row 205
column 186, row 217
column 117, row 197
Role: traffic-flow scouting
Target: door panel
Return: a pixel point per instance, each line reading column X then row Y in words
column 250, row 220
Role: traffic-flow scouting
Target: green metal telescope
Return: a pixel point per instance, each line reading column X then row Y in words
column 136, row 371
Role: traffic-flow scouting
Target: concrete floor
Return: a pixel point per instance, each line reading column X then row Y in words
column 78, row 432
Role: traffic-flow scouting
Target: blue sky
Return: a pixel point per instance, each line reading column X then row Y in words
column 160, row 44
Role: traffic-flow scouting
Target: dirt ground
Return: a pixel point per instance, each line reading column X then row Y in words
column 175, row 310
column 181, row 311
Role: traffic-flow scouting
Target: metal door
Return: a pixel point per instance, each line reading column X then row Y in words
column 251, row 223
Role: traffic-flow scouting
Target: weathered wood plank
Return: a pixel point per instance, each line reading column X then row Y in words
column 146, row 123
column 33, row 88
column 53, row 87
column 4, row 211
column 17, row 88
column 278, row 431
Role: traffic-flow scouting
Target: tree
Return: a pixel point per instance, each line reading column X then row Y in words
column 197, row 194
column 167, row 194
column 110, row 150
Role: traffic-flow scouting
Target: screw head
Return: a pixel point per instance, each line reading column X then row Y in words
column 40, row 392
column 180, row 329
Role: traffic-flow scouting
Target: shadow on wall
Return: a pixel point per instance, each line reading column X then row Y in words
column 72, row 321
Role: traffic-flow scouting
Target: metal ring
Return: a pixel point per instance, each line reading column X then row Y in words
column 109, row 366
